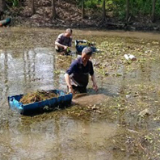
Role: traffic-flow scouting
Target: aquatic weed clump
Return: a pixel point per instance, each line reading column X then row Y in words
column 37, row 96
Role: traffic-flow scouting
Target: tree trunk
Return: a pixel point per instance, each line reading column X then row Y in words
column 2, row 5
column 32, row 7
column 53, row 10
column 104, row 10
column 153, row 10
column 127, row 10
column 83, row 11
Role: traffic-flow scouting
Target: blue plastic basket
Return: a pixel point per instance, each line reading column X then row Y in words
column 61, row 101
column 81, row 44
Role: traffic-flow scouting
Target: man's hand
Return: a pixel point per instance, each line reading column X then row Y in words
column 95, row 87
column 65, row 47
column 71, row 89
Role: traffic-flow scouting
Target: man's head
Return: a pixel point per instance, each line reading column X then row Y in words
column 68, row 32
column 86, row 54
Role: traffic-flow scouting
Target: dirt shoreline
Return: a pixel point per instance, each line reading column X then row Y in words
column 58, row 24
column 69, row 15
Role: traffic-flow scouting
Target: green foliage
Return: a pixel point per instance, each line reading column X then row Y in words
column 13, row 3
column 91, row 4
column 109, row 5
column 157, row 8
column 141, row 7
column 118, row 7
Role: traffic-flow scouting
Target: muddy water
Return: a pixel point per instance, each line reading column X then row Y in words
column 103, row 126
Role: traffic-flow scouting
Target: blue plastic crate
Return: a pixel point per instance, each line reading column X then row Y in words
column 61, row 101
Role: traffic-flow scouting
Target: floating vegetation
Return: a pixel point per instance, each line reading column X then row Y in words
column 37, row 96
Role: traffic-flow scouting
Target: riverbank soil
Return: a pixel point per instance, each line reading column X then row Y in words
column 68, row 14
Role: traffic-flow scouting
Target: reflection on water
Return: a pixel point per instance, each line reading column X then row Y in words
column 62, row 138
column 28, row 70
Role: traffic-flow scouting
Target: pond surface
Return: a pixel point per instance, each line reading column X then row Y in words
column 109, row 125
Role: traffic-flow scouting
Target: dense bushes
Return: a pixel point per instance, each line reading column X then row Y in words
column 118, row 7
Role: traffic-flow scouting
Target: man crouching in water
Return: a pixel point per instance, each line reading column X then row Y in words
column 77, row 76
column 64, row 42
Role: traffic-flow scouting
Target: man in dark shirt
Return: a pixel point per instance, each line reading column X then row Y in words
column 77, row 76
column 64, row 41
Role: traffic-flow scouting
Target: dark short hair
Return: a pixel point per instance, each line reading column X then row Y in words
column 69, row 30
column 87, row 50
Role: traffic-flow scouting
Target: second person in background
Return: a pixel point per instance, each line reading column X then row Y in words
column 64, row 42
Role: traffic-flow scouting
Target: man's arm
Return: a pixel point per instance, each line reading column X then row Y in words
column 68, row 81
column 71, row 70
column 93, row 77
column 95, row 87
column 61, row 45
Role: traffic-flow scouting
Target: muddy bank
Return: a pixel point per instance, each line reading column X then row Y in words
column 108, row 24
column 68, row 14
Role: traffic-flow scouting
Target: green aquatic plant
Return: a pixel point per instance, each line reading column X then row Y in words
column 57, row 72
column 37, row 96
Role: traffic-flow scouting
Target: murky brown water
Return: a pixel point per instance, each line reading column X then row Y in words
column 108, row 128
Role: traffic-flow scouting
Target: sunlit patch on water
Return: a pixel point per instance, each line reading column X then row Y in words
column 62, row 137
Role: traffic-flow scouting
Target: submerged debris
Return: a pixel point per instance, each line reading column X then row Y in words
column 130, row 57
column 145, row 112
column 37, row 96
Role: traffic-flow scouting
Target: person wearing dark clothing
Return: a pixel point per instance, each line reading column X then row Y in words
column 64, row 41
column 77, row 76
